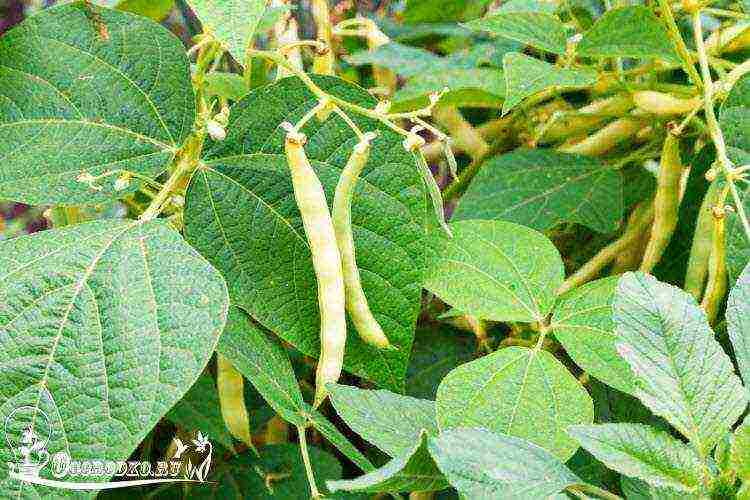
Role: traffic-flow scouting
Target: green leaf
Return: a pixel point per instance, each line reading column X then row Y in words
column 738, row 322
column 540, row 30
column 583, row 324
column 642, row 452
column 105, row 326
column 541, row 188
column 154, row 9
column 433, row 11
column 277, row 474
column 113, row 104
column 628, row 32
column 402, row 59
column 739, row 96
column 391, row 422
column 227, row 85
column 526, row 76
column 413, row 470
column 264, row 362
column 682, row 373
column 735, row 124
column 478, row 87
column 241, row 214
column 436, row 352
column 199, row 410
column 484, row 269
column 740, row 450
column 483, row 465
column 516, row 391
column 232, row 22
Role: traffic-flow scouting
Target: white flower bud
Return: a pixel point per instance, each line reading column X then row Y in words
column 122, row 183
column 216, row 131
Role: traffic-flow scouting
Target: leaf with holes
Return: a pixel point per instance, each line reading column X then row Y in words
column 242, row 215
column 521, row 392
column 121, row 101
column 484, row 269
column 104, row 327
column 541, row 189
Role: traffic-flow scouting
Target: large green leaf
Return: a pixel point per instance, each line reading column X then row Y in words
column 642, row 452
column 738, row 245
column 682, row 373
column 483, row 465
column 516, row 391
column 391, row 422
column 264, row 362
column 541, row 188
column 420, row 11
column 526, row 76
column 738, row 323
column 241, row 214
column 735, row 124
column 632, row 31
column 200, row 409
column 86, row 89
column 583, row 325
column 484, row 270
column 541, row 30
column 412, row 470
column 103, row 328
column 232, row 22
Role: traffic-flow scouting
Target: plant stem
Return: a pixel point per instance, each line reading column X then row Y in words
column 306, row 459
column 713, row 124
column 676, row 36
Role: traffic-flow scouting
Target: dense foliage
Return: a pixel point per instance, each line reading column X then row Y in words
column 454, row 248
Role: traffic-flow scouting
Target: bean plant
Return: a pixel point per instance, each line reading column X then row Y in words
column 446, row 249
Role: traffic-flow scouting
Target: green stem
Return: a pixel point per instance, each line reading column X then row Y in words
column 306, row 459
column 713, row 124
column 676, row 36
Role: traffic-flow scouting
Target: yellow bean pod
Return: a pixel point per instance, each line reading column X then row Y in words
column 367, row 326
column 311, row 200
column 700, row 251
column 716, row 286
column 666, row 203
column 230, row 386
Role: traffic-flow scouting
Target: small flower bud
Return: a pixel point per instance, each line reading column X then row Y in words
column 122, row 182
column 413, row 142
column 178, row 201
column 216, row 131
column 383, row 107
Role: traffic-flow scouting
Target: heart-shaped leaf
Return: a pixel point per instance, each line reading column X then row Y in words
column 516, row 391
column 242, row 215
column 103, row 328
column 86, row 89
